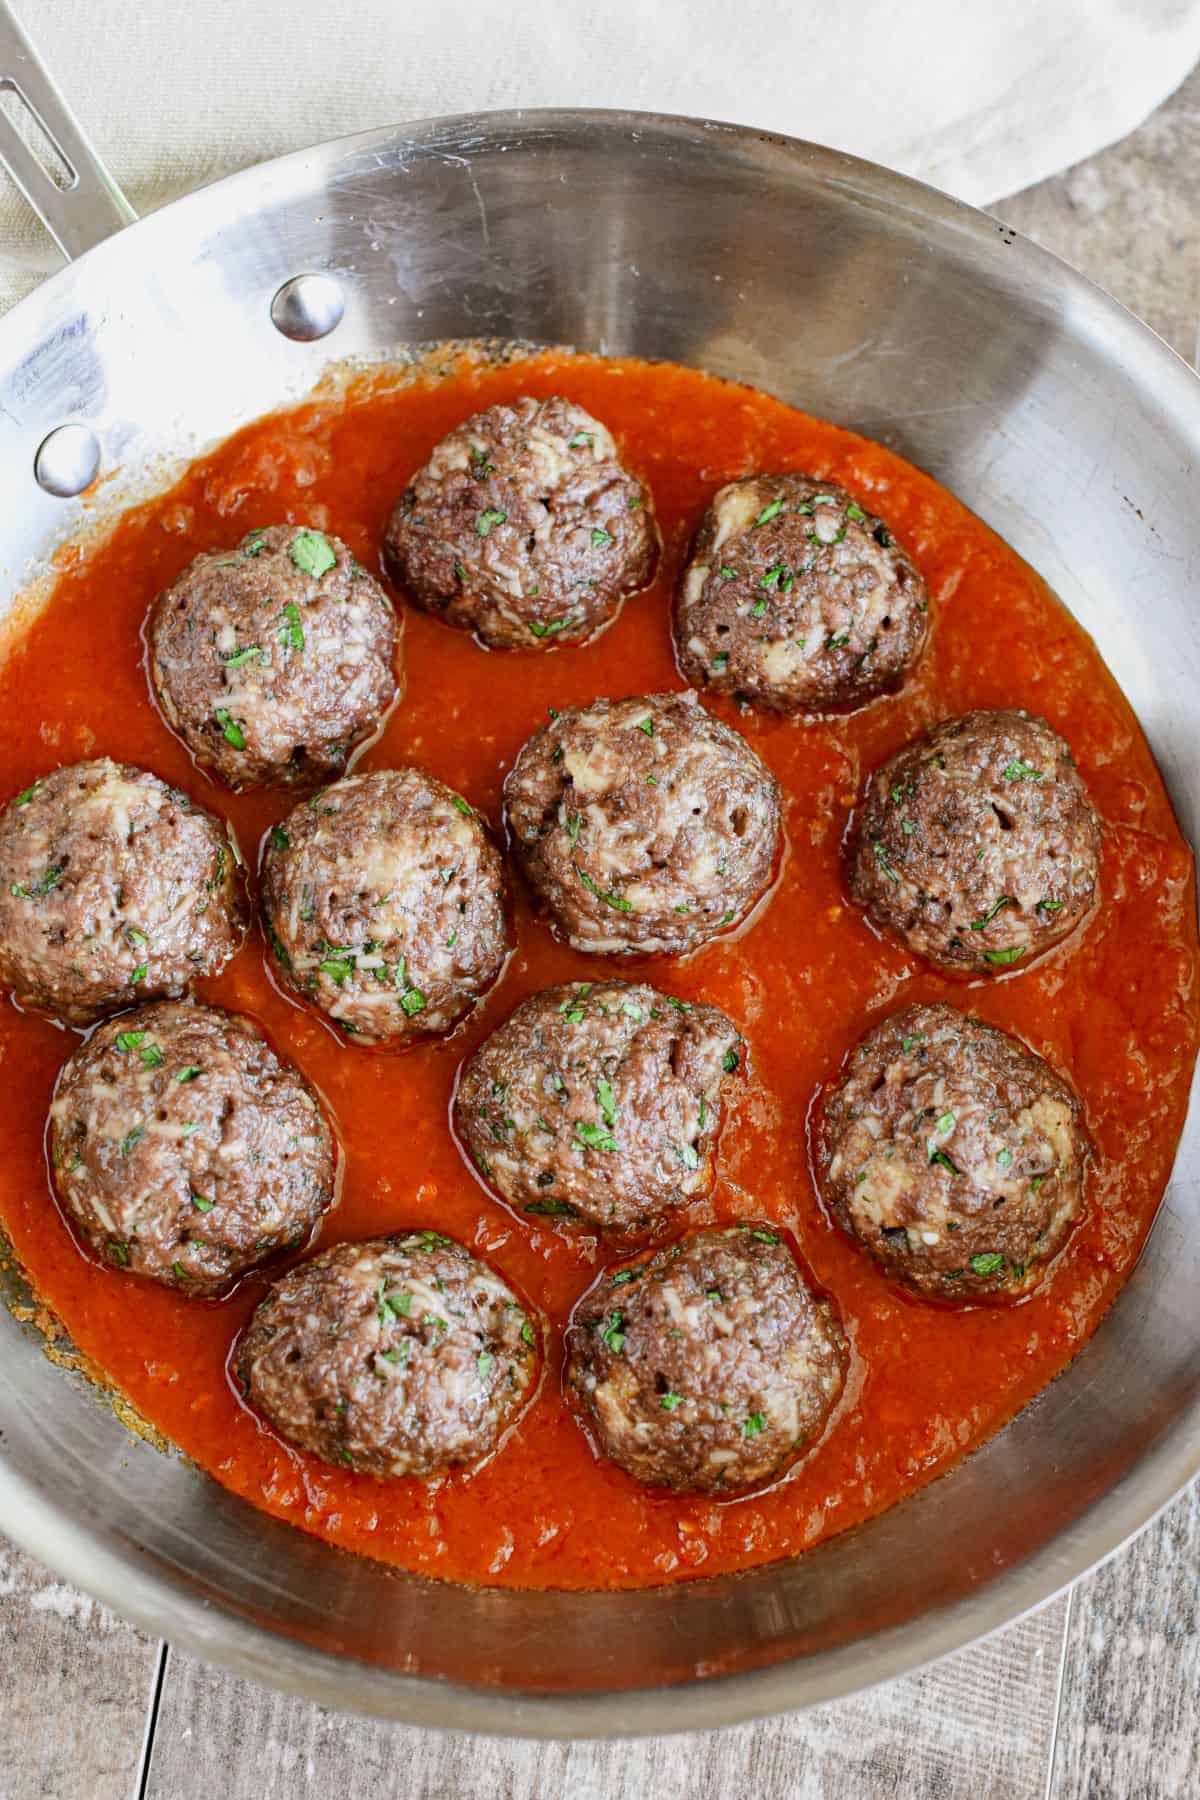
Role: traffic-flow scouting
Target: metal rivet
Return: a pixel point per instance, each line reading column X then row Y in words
column 67, row 460
column 308, row 307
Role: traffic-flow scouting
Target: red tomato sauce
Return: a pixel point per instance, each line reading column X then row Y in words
column 1115, row 1008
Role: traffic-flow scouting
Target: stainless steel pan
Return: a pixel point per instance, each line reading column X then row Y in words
column 855, row 294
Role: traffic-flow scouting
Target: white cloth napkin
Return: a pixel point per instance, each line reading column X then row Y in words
column 980, row 97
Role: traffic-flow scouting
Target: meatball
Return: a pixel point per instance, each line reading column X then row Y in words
column 953, row 1154
column 274, row 660
column 644, row 826
column 707, row 1365
column 524, row 528
column 384, row 902
column 599, row 1103
column 978, row 846
column 114, row 888
column 403, row 1356
column 797, row 599
column 184, row 1149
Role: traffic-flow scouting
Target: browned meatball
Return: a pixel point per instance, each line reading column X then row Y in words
column 383, row 899
column 184, row 1149
column 402, row 1356
column 524, row 528
column 644, row 826
column 599, row 1103
column 797, row 599
column 953, row 1154
column 114, row 888
column 709, row 1365
column 274, row 660
column 978, row 845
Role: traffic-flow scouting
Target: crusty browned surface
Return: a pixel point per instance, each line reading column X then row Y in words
column 524, row 528
column 402, row 1356
column 114, row 888
column 184, row 1149
column 978, row 845
column 796, row 598
column 599, row 1103
column 274, row 660
column 384, row 902
column 645, row 826
column 954, row 1154
column 709, row 1365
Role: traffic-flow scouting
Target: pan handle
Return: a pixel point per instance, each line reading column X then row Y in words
column 48, row 155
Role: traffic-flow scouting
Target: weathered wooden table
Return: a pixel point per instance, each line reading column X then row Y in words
column 1096, row 1697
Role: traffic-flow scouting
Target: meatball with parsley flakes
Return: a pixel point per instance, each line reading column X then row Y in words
column 401, row 1356
column 384, row 903
column 184, row 1149
column 953, row 1154
column 114, row 888
column 524, row 528
column 599, row 1104
column 644, row 826
column 708, row 1366
column 274, row 660
column 797, row 599
column 978, row 846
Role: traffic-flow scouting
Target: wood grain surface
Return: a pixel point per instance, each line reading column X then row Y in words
column 1095, row 1698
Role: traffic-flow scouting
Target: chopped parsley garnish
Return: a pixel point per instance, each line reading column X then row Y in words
column 279, row 838
column 312, row 552
column 727, row 574
column 669, row 1402
column 1013, row 954
column 854, row 511
column 594, row 1137
column 646, row 725
column 412, row 1002
column 988, row 1262
column 338, row 968
column 606, row 1101
column 188, row 1074
column 939, row 1156
column 777, row 576
column 754, row 1424
column 234, row 735
column 839, row 642
column 731, row 1062
column 119, row 1253
column 291, row 631
column 1004, row 1157
column 1019, row 770
column 601, row 539
column 720, row 662
column 758, row 609
column 881, row 857
column 553, row 625
column 26, row 796
column 483, row 1363
column 1048, row 908
column 910, row 1043
column 202, row 1203
column 487, row 519
column 768, row 513
column 462, row 805
column 574, row 825
column 989, row 915
column 882, row 536
column 688, row 1155
column 613, row 1334
column 47, row 881
column 139, row 974
column 609, row 899
column 581, row 441
column 551, row 1208
column 250, row 654
column 132, row 1139
column 766, row 1237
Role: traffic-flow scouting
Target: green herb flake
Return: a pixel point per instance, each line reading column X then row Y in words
column 250, row 654
column 646, row 725
column 139, row 974
column 881, row 857
column 854, row 511
column 669, row 1402
column 119, row 1253
column 279, row 838
column 26, row 796
column 234, row 735
column 132, row 1139
column 581, row 441
column 312, row 552
column 487, row 519
column 731, row 1062
column 1019, row 770
column 988, row 1262
column 1004, row 1157
column 911, row 1043
column 462, row 806
column 609, row 899
column 412, row 1003
column 483, row 1363
column 688, row 1155
column 202, row 1203
column 606, row 1101
column 613, row 1334
column 552, row 626
column 594, row 1137
column 989, row 915
column 768, row 513
column 765, row 1237
column 754, row 1424
column 601, row 539
column 939, row 1156
column 1013, row 954
column 291, row 631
